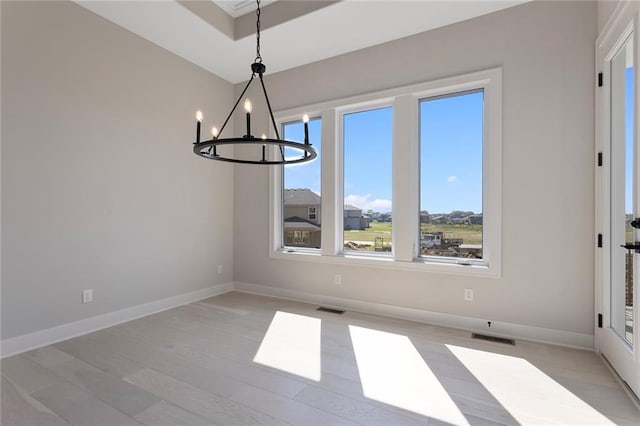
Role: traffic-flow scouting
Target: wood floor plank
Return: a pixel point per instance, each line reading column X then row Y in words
column 199, row 356
column 118, row 393
column 102, row 358
column 167, row 363
column 28, row 374
column 166, row 414
column 354, row 409
column 48, row 356
column 250, row 373
column 617, row 403
column 286, row 409
column 79, row 408
column 490, row 412
column 217, row 409
column 20, row 409
column 208, row 337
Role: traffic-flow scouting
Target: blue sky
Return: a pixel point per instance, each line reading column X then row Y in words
column 305, row 175
column 450, row 155
column 367, row 159
column 629, row 141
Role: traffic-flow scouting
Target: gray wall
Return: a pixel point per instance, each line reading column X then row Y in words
column 100, row 188
column 546, row 50
column 605, row 10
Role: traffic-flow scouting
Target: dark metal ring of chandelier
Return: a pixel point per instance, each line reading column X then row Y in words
column 204, row 149
column 209, row 148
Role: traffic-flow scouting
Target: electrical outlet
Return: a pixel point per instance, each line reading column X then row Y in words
column 219, row 269
column 338, row 279
column 87, row 295
column 468, row 295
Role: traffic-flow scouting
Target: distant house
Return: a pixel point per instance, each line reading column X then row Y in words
column 354, row 219
column 439, row 220
column 384, row 217
column 474, row 219
column 301, row 232
column 302, row 218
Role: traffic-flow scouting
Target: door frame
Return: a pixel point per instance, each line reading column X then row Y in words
column 625, row 19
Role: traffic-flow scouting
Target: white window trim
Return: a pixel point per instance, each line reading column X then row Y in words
column 405, row 186
column 276, row 206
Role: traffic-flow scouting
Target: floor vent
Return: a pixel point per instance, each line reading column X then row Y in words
column 331, row 311
column 493, row 339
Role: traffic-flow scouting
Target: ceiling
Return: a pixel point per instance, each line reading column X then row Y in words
column 237, row 8
column 219, row 36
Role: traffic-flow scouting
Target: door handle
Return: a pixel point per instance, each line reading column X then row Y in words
column 635, row 223
column 632, row 246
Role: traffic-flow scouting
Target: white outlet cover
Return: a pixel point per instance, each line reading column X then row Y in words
column 468, row 295
column 87, row 296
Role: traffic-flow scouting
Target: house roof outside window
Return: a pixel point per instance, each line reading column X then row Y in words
column 296, row 223
column 300, row 197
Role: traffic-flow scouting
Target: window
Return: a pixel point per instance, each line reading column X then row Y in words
column 412, row 180
column 301, row 196
column 297, row 238
column 367, row 141
column 451, row 140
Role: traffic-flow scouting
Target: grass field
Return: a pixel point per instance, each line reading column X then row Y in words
column 376, row 229
column 470, row 234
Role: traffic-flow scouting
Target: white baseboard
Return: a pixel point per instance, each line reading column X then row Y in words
column 27, row 342
column 502, row 329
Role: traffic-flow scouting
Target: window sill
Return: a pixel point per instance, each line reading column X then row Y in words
column 387, row 262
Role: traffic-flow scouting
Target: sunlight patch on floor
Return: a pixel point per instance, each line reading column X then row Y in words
column 292, row 344
column 393, row 372
column 527, row 393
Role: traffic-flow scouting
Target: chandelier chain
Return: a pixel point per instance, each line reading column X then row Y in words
column 258, row 56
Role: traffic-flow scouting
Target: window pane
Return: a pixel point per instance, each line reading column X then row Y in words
column 622, row 190
column 451, row 136
column 367, row 180
column 301, row 190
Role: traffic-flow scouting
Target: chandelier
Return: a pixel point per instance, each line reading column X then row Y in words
column 303, row 152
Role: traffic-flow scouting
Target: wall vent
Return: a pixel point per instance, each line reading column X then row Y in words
column 329, row 310
column 493, row 339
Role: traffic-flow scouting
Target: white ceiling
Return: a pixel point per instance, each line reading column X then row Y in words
column 338, row 28
column 237, row 8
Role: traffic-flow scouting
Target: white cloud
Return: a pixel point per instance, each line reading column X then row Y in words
column 452, row 179
column 365, row 203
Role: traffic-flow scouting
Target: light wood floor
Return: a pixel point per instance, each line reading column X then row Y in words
column 194, row 365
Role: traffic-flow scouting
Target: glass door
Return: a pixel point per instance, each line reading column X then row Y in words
column 617, row 339
column 623, row 189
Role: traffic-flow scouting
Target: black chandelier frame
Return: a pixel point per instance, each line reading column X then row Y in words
column 209, row 148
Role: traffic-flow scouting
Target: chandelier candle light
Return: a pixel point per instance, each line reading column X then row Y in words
column 209, row 148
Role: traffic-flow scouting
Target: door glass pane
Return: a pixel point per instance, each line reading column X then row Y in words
column 622, row 191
